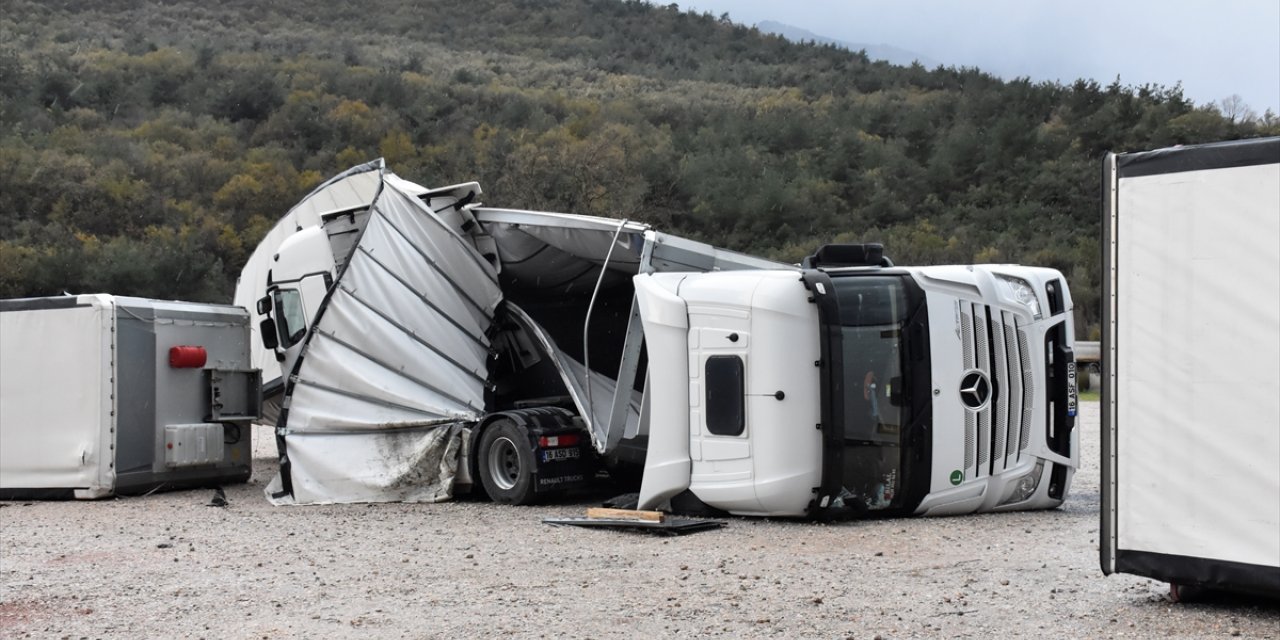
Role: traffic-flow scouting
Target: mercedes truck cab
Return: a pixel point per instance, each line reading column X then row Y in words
column 923, row 390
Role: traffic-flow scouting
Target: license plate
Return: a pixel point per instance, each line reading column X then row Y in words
column 1072, row 394
column 553, row 455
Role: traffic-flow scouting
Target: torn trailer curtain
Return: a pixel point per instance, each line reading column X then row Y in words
column 349, row 190
column 392, row 370
column 394, row 365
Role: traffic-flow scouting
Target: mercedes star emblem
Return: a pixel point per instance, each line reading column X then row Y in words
column 975, row 390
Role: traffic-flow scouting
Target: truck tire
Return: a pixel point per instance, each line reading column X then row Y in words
column 505, row 463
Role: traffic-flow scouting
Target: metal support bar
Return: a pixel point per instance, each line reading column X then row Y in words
column 642, row 422
column 586, row 333
column 626, row 377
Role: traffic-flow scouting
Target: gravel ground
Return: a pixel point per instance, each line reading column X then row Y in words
column 167, row 565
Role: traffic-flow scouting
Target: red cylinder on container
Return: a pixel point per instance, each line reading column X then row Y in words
column 186, row 357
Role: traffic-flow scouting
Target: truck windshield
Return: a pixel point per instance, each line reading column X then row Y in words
column 876, row 312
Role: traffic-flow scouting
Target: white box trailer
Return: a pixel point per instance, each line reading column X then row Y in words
column 1191, row 366
column 103, row 395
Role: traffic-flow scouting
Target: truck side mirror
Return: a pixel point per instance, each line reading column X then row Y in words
column 268, row 330
column 264, row 305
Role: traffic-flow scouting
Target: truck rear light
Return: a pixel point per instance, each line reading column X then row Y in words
column 562, row 440
column 187, row 357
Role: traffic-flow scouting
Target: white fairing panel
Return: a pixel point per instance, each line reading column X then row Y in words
column 783, row 402
column 399, row 345
column 1197, row 396
column 50, row 437
column 723, row 473
column 666, row 327
column 763, row 321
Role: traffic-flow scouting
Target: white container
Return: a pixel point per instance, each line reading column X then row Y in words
column 1191, row 384
column 91, row 403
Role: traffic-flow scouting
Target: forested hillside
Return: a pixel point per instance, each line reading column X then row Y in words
column 145, row 147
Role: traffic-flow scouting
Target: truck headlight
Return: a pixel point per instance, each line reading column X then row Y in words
column 1020, row 290
column 1026, row 486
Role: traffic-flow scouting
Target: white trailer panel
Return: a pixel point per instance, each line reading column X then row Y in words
column 57, row 415
column 1191, row 419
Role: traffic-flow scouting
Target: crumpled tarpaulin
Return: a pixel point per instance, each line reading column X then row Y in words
column 394, row 366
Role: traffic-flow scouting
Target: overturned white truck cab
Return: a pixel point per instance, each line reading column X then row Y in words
column 429, row 344
column 935, row 390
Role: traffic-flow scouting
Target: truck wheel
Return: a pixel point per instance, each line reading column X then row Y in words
column 505, row 462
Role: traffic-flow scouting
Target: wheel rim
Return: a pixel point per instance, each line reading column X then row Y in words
column 504, row 463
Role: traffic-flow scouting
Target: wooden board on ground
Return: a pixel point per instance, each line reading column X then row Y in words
column 602, row 513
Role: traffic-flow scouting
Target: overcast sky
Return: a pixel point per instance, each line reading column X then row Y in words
column 1215, row 49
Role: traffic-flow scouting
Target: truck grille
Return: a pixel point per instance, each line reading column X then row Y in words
column 996, row 435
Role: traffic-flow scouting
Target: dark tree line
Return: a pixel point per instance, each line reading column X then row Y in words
column 145, row 148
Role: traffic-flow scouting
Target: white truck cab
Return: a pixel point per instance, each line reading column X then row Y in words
column 931, row 390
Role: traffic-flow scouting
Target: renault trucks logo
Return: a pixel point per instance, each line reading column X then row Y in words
column 975, row 390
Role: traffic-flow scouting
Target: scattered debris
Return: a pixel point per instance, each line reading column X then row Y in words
column 219, row 498
column 652, row 521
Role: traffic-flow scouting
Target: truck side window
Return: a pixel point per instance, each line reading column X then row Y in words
column 725, row 399
column 290, row 317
